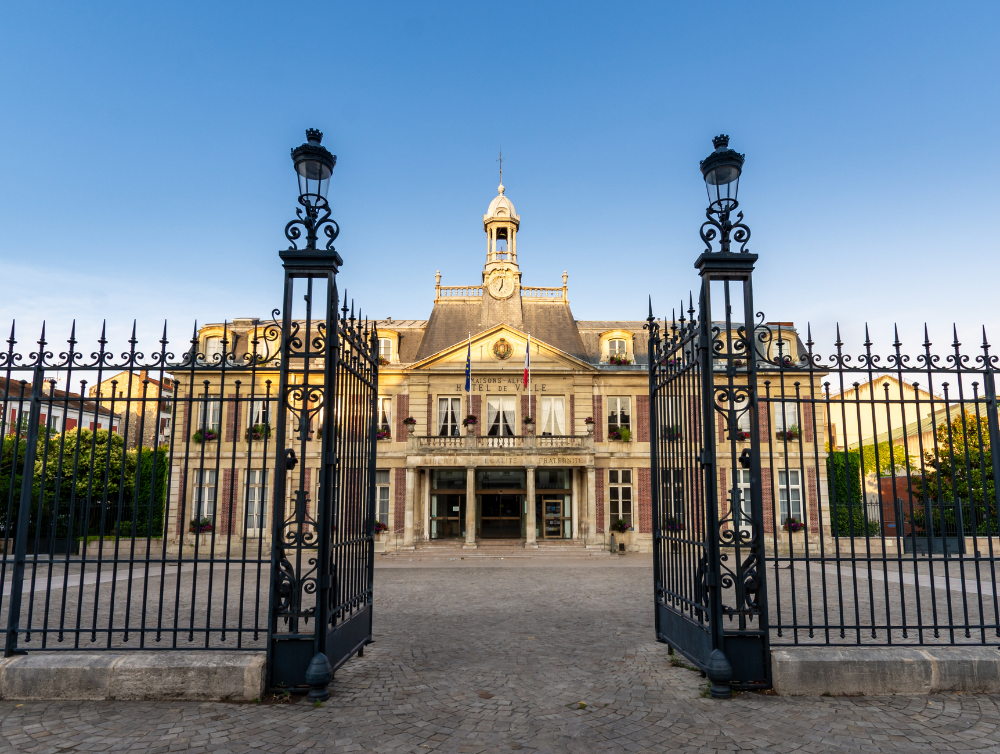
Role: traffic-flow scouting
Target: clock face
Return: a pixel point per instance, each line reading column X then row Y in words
column 501, row 285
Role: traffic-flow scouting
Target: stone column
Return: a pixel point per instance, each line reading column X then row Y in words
column 427, row 505
column 411, row 501
column 530, row 517
column 592, row 538
column 470, row 508
column 574, row 507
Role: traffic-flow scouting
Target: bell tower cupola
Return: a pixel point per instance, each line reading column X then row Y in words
column 501, row 275
column 501, row 223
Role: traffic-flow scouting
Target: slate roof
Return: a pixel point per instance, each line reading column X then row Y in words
column 553, row 323
column 450, row 323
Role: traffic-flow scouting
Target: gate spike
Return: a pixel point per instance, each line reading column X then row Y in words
column 895, row 331
column 344, row 307
column 164, row 338
column 809, row 337
column 868, row 340
column 838, row 342
column 927, row 339
column 954, row 330
column 650, row 317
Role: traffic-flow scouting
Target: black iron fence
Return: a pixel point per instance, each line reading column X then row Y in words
column 138, row 491
column 880, row 491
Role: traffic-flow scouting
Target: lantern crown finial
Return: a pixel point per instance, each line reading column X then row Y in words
column 314, row 136
column 721, row 141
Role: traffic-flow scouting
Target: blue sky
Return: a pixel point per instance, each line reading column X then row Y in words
column 144, row 168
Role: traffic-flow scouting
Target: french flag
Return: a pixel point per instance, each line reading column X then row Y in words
column 527, row 362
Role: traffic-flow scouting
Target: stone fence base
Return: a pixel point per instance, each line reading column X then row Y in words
column 884, row 671
column 135, row 676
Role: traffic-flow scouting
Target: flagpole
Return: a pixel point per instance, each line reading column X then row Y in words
column 468, row 380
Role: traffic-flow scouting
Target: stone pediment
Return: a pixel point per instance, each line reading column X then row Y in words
column 501, row 348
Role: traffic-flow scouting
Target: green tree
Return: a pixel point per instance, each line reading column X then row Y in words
column 86, row 483
column 958, row 479
column 846, row 495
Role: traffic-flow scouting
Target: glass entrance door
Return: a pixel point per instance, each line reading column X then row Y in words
column 447, row 516
column 556, row 518
column 500, row 516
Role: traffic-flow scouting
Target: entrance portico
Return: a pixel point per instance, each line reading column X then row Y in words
column 526, row 494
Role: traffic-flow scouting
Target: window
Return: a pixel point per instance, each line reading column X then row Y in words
column 213, row 349
column 616, row 347
column 382, row 493
column 619, row 412
column 743, row 485
column 385, row 348
column 790, row 495
column 500, row 415
column 553, row 415
column 209, row 414
column 673, row 509
column 786, row 416
column 449, row 411
column 204, row 494
column 384, row 413
column 620, row 494
column 743, row 421
column 260, row 413
column 256, row 499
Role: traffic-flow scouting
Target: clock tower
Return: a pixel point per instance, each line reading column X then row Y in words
column 501, row 275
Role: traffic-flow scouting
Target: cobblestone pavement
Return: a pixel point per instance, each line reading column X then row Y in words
column 514, row 655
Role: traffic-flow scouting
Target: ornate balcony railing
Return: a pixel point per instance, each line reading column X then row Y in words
column 508, row 442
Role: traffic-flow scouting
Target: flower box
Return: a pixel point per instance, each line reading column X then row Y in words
column 470, row 421
column 619, row 361
column 672, row 434
column 200, row 526
column 742, row 436
column 619, row 434
column 792, row 433
column 207, row 435
column 258, row 432
column 620, row 526
column 793, row 525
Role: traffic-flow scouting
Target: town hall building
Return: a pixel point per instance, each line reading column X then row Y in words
column 559, row 466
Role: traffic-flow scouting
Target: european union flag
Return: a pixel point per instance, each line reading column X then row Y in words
column 468, row 368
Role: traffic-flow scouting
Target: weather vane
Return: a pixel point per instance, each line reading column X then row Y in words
column 500, row 160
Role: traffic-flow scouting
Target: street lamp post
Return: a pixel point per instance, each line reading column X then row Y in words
column 301, row 561
column 722, row 170
column 739, row 637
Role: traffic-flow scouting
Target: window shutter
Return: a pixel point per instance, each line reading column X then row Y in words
column 599, row 421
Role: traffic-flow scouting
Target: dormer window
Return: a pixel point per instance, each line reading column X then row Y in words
column 617, row 347
column 385, row 349
column 213, row 349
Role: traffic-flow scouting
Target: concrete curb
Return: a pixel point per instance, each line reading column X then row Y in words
column 883, row 671
column 134, row 676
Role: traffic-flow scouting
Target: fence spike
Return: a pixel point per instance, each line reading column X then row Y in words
column 927, row 338
column 895, row 331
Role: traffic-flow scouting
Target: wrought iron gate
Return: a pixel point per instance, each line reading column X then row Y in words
column 135, row 491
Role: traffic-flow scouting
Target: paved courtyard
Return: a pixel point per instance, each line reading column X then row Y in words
column 529, row 654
